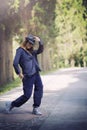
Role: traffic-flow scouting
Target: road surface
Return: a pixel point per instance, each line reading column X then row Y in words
column 64, row 104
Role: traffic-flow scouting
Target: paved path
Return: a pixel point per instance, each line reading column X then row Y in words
column 64, row 104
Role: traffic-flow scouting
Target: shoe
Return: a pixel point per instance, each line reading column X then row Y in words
column 36, row 111
column 8, row 107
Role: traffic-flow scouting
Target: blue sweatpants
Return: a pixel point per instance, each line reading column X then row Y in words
column 28, row 83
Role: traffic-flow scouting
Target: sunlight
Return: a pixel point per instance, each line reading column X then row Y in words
column 58, row 82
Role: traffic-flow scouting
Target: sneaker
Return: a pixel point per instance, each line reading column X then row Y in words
column 8, row 107
column 36, row 111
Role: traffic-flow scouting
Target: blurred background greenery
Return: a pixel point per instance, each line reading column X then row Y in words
column 61, row 24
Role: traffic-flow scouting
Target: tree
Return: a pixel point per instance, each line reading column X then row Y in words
column 8, row 25
column 70, row 27
column 17, row 19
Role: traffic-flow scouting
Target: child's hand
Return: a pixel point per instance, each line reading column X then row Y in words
column 21, row 76
column 37, row 38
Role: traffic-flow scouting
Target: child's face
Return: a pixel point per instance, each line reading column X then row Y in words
column 28, row 46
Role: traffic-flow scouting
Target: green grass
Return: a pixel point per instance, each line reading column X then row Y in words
column 10, row 86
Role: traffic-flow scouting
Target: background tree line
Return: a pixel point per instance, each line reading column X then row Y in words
column 71, row 29
column 62, row 24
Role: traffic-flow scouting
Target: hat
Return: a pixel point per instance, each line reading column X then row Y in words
column 30, row 38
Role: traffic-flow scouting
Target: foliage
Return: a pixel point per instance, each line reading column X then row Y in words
column 70, row 28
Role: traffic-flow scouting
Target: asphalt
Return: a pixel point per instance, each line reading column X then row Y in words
column 64, row 104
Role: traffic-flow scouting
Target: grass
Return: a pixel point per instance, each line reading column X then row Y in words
column 10, row 86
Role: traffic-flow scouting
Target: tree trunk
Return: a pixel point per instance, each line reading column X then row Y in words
column 6, row 68
column 2, row 58
column 9, row 57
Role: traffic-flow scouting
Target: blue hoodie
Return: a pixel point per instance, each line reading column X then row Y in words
column 27, row 61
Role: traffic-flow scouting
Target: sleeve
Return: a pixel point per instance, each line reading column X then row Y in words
column 16, row 61
column 40, row 49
